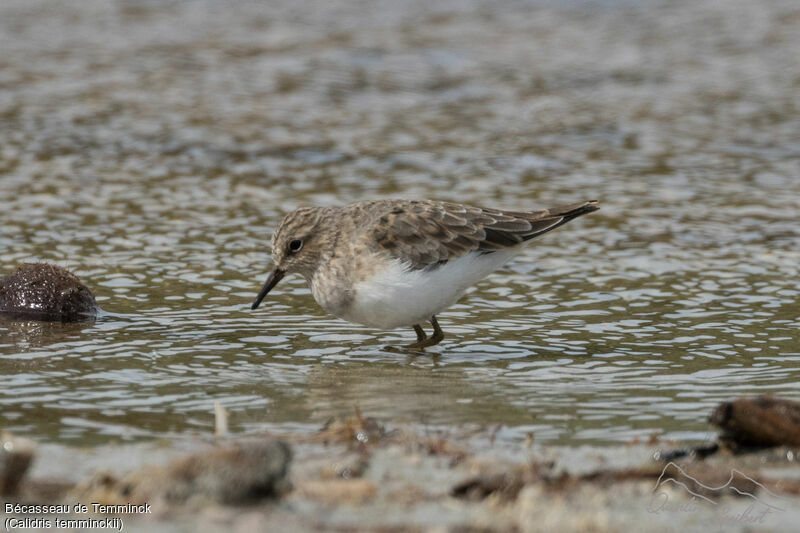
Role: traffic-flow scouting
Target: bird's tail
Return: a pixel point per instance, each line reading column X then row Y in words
column 568, row 212
column 549, row 219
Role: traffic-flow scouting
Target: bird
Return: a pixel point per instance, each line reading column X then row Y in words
column 398, row 263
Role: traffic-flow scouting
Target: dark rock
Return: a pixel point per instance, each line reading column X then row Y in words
column 242, row 473
column 16, row 455
column 41, row 291
column 758, row 422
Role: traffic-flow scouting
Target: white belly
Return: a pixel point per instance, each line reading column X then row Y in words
column 398, row 296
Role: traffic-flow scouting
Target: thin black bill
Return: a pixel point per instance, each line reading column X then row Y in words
column 272, row 280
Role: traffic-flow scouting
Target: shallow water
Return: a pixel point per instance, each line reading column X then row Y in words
column 151, row 147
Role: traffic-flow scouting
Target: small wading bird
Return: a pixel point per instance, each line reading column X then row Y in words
column 393, row 263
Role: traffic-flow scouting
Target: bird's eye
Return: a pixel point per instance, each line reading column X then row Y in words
column 295, row 246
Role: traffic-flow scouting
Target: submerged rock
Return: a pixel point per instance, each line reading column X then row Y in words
column 41, row 291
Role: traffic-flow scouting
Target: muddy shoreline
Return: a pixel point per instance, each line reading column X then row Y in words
column 362, row 474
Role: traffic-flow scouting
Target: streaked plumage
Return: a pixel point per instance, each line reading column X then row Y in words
column 392, row 263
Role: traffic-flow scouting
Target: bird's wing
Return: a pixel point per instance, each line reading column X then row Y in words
column 428, row 234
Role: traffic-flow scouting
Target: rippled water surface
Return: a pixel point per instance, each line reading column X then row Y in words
column 151, row 147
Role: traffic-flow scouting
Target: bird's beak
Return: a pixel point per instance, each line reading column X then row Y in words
column 273, row 279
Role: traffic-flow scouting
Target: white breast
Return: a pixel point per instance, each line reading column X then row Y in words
column 399, row 296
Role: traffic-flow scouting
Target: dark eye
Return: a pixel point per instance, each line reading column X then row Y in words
column 295, row 246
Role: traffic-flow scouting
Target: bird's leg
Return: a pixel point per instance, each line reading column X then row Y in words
column 421, row 337
column 420, row 333
column 438, row 334
column 434, row 339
